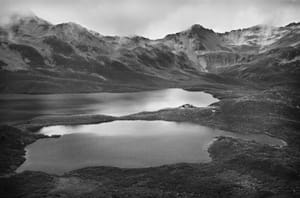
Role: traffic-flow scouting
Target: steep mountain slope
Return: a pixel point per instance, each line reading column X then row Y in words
column 37, row 56
column 277, row 58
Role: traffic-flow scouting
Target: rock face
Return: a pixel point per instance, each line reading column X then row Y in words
column 36, row 55
column 187, row 106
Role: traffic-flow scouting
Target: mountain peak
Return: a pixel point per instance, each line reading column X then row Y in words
column 197, row 30
column 26, row 24
column 69, row 27
column 293, row 24
column 196, row 27
column 70, row 24
column 20, row 19
column 73, row 29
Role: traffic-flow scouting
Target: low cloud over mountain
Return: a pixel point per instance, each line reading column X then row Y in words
column 156, row 18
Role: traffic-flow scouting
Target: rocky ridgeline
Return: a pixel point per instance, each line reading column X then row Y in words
column 34, row 52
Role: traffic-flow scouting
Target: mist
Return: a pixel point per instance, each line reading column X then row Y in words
column 156, row 18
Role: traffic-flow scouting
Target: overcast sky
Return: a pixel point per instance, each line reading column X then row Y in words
column 156, row 18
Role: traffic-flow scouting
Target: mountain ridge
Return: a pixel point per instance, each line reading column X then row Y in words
column 41, row 50
column 18, row 17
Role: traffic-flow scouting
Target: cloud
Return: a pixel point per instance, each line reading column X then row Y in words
column 156, row 18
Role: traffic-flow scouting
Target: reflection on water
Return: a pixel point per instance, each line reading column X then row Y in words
column 20, row 107
column 129, row 144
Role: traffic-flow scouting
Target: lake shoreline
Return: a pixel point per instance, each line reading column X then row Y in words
column 231, row 113
column 18, row 107
column 126, row 144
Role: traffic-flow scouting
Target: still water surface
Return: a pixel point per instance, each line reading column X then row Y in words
column 20, row 106
column 126, row 144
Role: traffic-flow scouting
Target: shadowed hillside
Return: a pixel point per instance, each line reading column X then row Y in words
column 39, row 57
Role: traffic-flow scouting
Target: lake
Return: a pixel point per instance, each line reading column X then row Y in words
column 18, row 107
column 125, row 144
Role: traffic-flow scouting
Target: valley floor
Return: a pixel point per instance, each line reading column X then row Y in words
column 238, row 168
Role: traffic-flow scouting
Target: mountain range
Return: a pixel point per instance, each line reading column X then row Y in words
column 39, row 57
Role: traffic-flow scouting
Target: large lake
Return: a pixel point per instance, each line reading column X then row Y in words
column 22, row 107
column 126, row 144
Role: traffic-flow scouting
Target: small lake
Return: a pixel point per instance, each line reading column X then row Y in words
column 125, row 144
column 23, row 106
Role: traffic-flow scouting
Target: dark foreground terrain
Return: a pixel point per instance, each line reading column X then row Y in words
column 238, row 168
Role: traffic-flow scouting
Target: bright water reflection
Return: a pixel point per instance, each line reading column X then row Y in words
column 19, row 107
column 129, row 144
